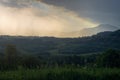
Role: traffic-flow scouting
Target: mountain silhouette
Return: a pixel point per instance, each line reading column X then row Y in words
column 99, row 28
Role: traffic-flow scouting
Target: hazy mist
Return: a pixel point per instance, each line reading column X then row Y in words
column 35, row 18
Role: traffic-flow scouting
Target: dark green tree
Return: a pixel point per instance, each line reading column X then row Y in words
column 11, row 56
column 30, row 62
column 110, row 58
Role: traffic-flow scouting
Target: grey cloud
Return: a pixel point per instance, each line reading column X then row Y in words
column 101, row 11
column 17, row 3
column 37, row 18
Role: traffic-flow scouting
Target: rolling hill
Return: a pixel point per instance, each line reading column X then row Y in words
column 95, row 30
column 51, row 45
column 90, row 31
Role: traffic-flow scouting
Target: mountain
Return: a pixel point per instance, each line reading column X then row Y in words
column 95, row 30
column 51, row 45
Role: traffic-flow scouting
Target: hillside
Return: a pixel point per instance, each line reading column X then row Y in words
column 51, row 45
column 97, row 29
column 90, row 31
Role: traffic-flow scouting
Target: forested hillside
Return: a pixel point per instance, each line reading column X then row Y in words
column 50, row 45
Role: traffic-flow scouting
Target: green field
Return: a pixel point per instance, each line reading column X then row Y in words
column 62, row 74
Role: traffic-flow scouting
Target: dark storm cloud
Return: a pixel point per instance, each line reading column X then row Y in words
column 15, row 3
column 101, row 11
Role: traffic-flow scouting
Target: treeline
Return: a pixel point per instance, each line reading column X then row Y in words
column 50, row 45
column 12, row 59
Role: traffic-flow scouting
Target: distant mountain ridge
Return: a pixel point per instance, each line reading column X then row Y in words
column 51, row 45
column 99, row 28
column 91, row 31
column 79, row 33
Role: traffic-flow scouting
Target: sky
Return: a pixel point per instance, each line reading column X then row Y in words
column 55, row 17
column 100, row 11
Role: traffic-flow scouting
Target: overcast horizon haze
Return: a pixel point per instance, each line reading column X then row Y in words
column 53, row 17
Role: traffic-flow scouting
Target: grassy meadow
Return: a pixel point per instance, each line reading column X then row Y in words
column 62, row 74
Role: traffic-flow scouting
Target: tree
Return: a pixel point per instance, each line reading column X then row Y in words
column 11, row 56
column 30, row 62
column 110, row 58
